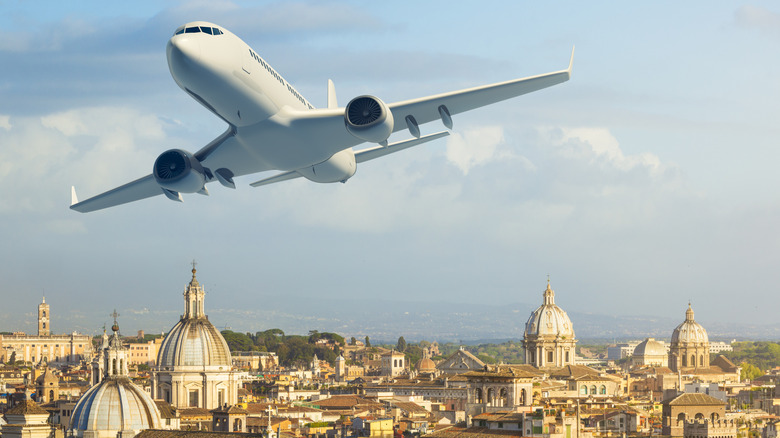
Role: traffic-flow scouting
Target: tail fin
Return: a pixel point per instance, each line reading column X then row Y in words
column 332, row 103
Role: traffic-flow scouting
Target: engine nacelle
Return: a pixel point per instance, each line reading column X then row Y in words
column 368, row 119
column 179, row 171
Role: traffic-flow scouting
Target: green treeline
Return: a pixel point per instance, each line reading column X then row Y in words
column 292, row 349
column 754, row 357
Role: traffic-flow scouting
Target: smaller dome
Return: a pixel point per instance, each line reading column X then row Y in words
column 425, row 365
column 650, row 347
column 115, row 405
column 689, row 331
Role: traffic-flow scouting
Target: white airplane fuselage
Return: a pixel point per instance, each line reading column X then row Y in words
column 227, row 77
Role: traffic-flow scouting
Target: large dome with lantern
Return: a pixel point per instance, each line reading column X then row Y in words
column 548, row 338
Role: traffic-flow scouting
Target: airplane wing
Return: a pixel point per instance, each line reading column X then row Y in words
column 141, row 188
column 328, row 123
column 427, row 109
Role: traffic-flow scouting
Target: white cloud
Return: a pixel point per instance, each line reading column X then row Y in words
column 759, row 18
column 480, row 146
column 91, row 147
column 599, row 146
column 5, row 122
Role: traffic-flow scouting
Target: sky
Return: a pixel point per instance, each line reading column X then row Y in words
column 645, row 182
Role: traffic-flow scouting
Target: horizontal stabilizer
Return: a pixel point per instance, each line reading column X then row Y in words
column 276, row 178
column 381, row 151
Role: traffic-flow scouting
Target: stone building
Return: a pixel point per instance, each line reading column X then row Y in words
column 548, row 339
column 461, row 361
column 500, row 388
column 689, row 407
column 27, row 420
column 45, row 347
column 194, row 365
column 689, row 351
column 393, row 364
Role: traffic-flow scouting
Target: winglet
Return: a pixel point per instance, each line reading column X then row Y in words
column 73, row 198
column 571, row 61
column 332, row 103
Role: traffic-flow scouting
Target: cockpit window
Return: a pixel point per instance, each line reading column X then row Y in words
column 197, row 29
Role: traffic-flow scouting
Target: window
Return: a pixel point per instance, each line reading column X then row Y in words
column 194, row 398
column 584, row 390
column 603, row 389
column 549, row 356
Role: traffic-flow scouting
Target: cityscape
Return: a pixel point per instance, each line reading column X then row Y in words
column 389, row 219
column 197, row 380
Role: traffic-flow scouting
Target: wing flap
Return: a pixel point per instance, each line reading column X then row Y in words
column 381, row 151
column 141, row 188
column 276, row 178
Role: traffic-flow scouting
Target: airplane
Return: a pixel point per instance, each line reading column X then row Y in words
column 271, row 126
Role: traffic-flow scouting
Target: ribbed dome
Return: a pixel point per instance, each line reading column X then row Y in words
column 549, row 319
column 689, row 331
column 650, row 347
column 115, row 405
column 194, row 341
column 425, row 365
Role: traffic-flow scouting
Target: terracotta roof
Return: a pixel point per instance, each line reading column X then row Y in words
column 194, row 412
column 154, row 433
column 409, row 406
column 507, row 416
column 230, row 410
column 474, row 432
column 507, row 371
column 26, row 407
column 573, row 371
column 165, row 408
column 345, row 402
column 696, row 399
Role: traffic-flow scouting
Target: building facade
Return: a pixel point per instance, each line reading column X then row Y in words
column 689, row 351
column 548, row 340
column 45, row 347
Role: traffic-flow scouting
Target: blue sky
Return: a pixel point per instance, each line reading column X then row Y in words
column 646, row 181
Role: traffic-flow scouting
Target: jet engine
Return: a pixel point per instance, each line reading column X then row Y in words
column 179, row 171
column 368, row 119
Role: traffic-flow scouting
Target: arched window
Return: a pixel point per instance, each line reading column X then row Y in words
column 237, row 425
column 603, row 389
column 685, row 361
column 681, row 416
column 522, row 397
column 584, row 390
column 714, row 416
column 490, row 395
column 44, row 314
column 693, row 360
column 699, row 416
column 503, row 399
column 593, row 389
column 113, row 366
column 51, row 395
column 478, row 395
column 701, row 360
column 567, row 357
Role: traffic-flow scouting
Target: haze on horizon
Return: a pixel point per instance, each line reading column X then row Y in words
column 646, row 181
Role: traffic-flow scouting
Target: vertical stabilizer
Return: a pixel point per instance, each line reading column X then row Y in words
column 332, row 102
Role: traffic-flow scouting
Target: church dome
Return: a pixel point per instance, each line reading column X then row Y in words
column 549, row 320
column 115, row 404
column 650, row 347
column 425, row 365
column 690, row 331
column 194, row 341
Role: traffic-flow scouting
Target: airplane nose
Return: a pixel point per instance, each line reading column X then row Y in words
column 182, row 51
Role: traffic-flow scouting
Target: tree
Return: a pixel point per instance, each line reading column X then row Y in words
column 750, row 371
column 368, row 343
column 401, row 345
column 352, row 341
column 12, row 360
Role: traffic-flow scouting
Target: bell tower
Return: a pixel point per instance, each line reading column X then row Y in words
column 44, row 318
